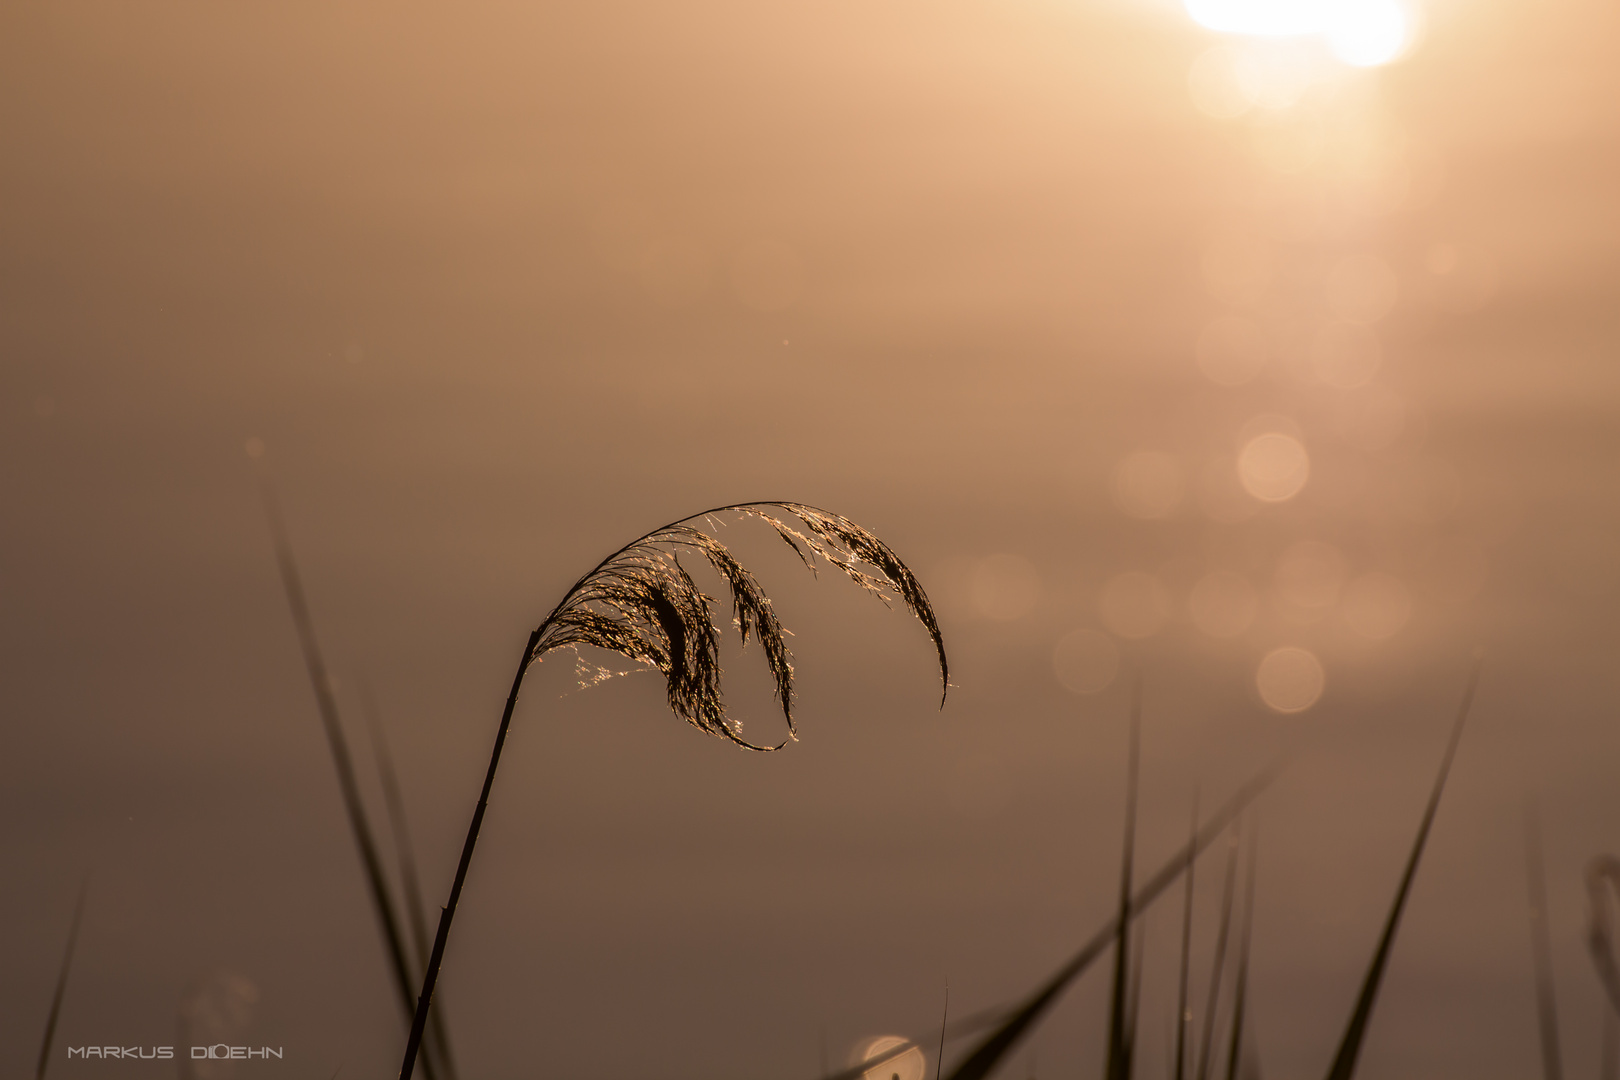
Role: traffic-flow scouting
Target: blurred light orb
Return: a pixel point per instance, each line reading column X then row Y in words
column 910, row 1065
column 1005, row 587
column 1232, row 351
column 1377, row 605
column 1223, row 604
column 1290, row 679
column 1149, row 485
column 1273, row 467
column 1085, row 661
column 1361, row 33
column 1134, row 605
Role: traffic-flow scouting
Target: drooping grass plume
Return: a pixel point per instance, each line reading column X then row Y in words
column 61, row 982
column 1118, row 1062
column 1183, row 1012
column 382, row 901
column 405, row 855
column 1552, row 1065
column 1344, row 1062
column 1600, row 872
column 641, row 603
column 1212, row 1001
column 1240, row 991
column 1001, row 1041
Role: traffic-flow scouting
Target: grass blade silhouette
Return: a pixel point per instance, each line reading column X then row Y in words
column 1552, row 1065
column 1212, row 1001
column 1240, row 991
column 1118, row 1063
column 61, row 982
column 944, row 1020
column 1005, row 1037
column 382, row 902
column 1344, row 1062
column 405, row 856
column 1183, row 1013
column 1133, row 1007
column 1603, row 873
column 641, row 603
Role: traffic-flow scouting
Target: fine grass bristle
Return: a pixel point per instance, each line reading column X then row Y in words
column 641, row 603
column 1552, row 1065
column 988, row 1054
column 60, row 992
column 1344, row 1062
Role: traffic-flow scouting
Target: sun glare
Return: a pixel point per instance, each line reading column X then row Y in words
column 1362, row 33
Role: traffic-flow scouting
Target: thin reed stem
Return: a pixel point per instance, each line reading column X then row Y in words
column 1344, row 1062
column 326, row 704
column 1212, row 1000
column 1183, row 1013
column 1118, row 1064
column 431, row 977
column 61, row 982
column 1552, row 1065
column 1240, row 993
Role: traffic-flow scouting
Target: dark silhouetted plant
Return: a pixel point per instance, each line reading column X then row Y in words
column 1212, row 1001
column 1552, row 1065
column 1183, row 1011
column 1118, row 1066
column 642, row 603
column 982, row 1060
column 1344, row 1062
column 382, row 900
column 61, row 983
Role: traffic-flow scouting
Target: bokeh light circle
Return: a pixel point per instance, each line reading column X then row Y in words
column 910, row 1065
column 1085, row 661
column 1273, row 467
column 1290, row 679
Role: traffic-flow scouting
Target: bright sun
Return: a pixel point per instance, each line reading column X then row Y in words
column 1364, row 33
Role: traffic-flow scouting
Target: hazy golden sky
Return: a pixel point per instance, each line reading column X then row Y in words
column 1286, row 381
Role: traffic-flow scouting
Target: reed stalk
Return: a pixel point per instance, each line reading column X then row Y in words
column 382, row 901
column 1006, row 1036
column 1552, row 1065
column 1118, row 1062
column 1183, row 1012
column 1212, row 1000
column 1240, row 991
column 61, row 982
column 1344, row 1061
column 641, row 603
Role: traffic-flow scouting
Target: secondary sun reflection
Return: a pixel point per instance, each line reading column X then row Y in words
column 1362, row 33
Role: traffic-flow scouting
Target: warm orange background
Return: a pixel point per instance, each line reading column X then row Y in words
column 499, row 286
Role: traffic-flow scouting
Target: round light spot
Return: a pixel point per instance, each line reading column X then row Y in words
column 1005, row 587
column 1148, row 485
column 1377, row 605
column 1085, row 661
column 910, row 1065
column 1223, row 604
column 1232, row 351
column 1346, row 356
column 1310, row 575
column 1290, row 679
column 1273, row 467
column 1134, row 605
